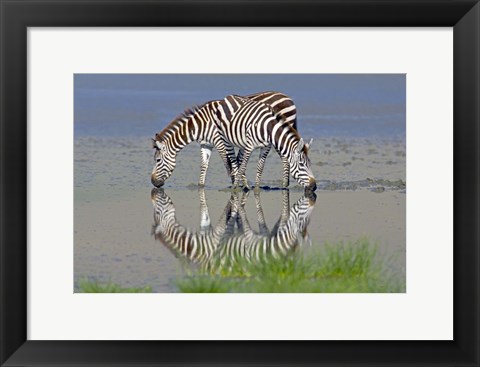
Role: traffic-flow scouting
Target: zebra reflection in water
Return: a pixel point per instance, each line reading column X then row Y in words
column 232, row 240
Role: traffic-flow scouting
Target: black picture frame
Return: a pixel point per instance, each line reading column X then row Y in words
column 17, row 15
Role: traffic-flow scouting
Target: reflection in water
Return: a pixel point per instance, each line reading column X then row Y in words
column 232, row 240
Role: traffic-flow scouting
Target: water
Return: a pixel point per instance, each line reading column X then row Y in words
column 328, row 104
column 358, row 156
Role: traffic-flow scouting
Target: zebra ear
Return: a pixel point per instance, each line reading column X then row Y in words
column 159, row 145
column 154, row 145
column 307, row 239
column 300, row 145
column 309, row 144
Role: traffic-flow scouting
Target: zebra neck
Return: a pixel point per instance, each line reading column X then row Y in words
column 285, row 140
column 200, row 123
column 178, row 238
column 176, row 142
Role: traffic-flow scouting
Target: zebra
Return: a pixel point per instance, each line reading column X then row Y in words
column 191, row 125
column 217, row 248
column 249, row 124
column 197, row 247
column 284, row 107
column 288, row 234
column 198, row 124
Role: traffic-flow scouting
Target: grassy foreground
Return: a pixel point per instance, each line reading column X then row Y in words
column 352, row 267
column 94, row 287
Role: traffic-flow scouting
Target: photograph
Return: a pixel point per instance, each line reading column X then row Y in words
column 177, row 187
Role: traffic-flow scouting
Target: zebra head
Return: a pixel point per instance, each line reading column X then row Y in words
column 165, row 161
column 303, row 210
column 300, row 166
column 163, row 211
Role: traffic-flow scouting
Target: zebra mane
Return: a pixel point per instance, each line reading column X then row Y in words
column 180, row 119
column 295, row 132
column 189, row 112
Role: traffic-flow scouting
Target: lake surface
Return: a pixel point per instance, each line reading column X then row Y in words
column 358, row 157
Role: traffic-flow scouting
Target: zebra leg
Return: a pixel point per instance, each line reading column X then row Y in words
column 247, row 231
column 205, row 224
column 262, row 225
column 227, row 153
column 285, row 205
column 205, row 153
column 230, row 153
column 224, row 225
column 244, row 199
column 286, row 172
column 235, row 217
column 239, row 161
column 243, row 166
column 282, row 221
column 261, row 164
column 239, row 156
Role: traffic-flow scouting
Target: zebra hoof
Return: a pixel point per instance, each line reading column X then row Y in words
column 236, row 188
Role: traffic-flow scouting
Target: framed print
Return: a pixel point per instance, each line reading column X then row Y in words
column 102, row 105
column 213, row 265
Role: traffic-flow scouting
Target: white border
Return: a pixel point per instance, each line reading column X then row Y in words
column 424, row 312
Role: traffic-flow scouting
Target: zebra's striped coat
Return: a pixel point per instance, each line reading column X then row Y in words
column 199, row 125
column 220, row 247
column 250, row 124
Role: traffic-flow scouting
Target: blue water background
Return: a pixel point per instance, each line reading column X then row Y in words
column 134, row 105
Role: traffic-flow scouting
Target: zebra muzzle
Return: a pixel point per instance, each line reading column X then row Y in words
column 312, row 184
column 156, row 191
column 157, row 183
